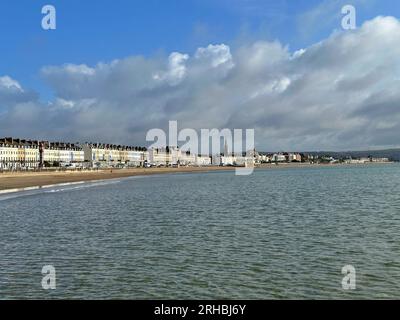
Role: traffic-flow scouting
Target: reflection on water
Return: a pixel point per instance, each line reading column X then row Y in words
column 282, row 233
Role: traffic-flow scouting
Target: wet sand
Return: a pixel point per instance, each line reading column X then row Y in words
column 17, row 180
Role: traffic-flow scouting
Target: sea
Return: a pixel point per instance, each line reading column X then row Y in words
column 282, row 233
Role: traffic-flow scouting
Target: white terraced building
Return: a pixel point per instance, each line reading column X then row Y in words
column 278, row 157
column 51, row 155
column 160, row 156
column 186, row 158
column 175, row 156
column 25, row 154
column 62, row 154
column 233, row 160
column 203, row 160
column 136, row 158
column 106, row 155
column 18, row 154
column 8, row 156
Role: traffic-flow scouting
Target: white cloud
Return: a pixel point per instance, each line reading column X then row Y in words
column 275, row 86
column 215, row 55
column 340, row 93
column 11, row 92
column 176, row 69
column 79, row 69
column 298, row 53
column 8, row 83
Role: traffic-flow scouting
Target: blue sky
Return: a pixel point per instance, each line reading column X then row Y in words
column 100, row 31
column 112, row 70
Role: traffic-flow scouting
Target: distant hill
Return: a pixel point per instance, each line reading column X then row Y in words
column 392, row 154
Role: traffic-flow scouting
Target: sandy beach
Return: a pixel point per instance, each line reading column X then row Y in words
column 18, row 180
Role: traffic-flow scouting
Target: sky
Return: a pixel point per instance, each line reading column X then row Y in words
column 112, row 70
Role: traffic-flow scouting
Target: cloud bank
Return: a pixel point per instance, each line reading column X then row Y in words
column 340, row 93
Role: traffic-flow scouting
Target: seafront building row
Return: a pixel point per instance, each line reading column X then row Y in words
column 19, row 154
column 30, row 154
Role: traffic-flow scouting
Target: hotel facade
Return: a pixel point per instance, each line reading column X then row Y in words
column 173, row 156
column 18, row 154
column 99, row 155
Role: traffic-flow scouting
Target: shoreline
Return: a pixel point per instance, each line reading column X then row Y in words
column 21, row 181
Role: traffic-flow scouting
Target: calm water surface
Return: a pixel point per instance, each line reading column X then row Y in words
column 280, row 233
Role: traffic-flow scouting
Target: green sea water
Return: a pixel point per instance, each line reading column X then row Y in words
column 279, row 233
